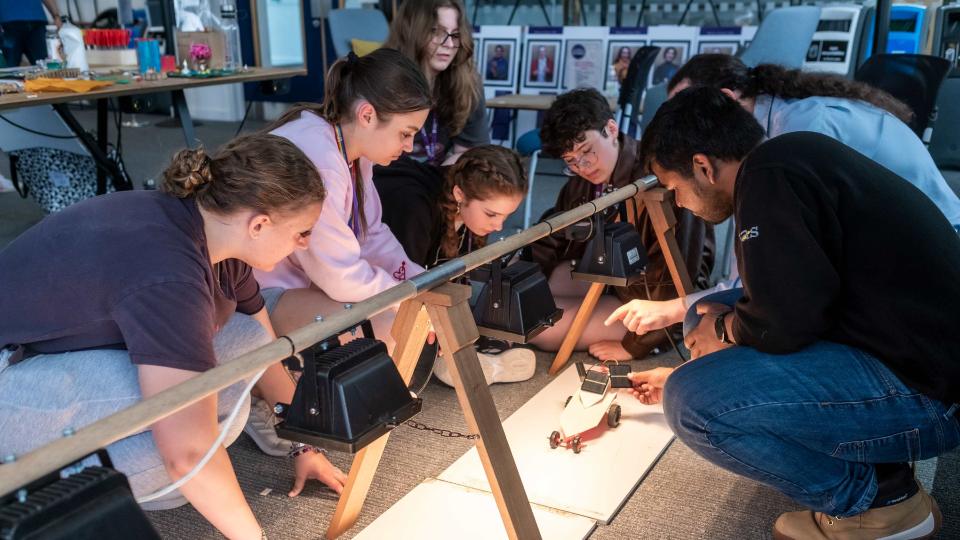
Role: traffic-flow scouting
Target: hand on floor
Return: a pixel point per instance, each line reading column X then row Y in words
column 609, row 351
column 315, row 466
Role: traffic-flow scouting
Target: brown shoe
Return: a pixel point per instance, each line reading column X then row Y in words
column 915, row 518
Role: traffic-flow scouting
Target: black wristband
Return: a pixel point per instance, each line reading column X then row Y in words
column 720, row 328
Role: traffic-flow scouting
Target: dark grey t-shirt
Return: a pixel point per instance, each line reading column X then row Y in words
column 475, row 132
column 127, row 270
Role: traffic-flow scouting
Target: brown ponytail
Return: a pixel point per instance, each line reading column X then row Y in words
column 261, row 172
column 390, row 82
column 481, row 173
column 726, row 71
column 387, row 79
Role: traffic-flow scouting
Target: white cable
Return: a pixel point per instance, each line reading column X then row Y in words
column 213, row 448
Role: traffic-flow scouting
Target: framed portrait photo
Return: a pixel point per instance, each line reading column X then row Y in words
column 672, row 55
column 542, row 63
column 499, row 67
column 619, row 55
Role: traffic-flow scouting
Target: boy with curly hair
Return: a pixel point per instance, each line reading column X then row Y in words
column 579, row 128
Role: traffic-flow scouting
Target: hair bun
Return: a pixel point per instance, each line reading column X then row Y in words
column 188, row 172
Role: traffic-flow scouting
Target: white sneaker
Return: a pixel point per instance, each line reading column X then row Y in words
column 499, row 365
column 260, row 428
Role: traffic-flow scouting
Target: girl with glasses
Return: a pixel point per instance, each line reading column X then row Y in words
column 435, row 34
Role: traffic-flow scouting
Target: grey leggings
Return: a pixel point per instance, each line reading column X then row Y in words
column 46, row 394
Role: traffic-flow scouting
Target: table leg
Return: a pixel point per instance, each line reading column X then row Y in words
column 102, row 105
column 104, row 164
column 183, row 115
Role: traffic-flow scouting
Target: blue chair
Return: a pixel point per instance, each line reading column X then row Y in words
column 914, row 79
column 529, row 144
column 347, row 24
column 783, row 37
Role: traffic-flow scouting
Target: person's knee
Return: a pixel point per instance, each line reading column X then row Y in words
column 240, row 335
column 691, row 397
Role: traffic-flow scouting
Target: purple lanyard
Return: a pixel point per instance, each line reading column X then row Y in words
column 354, row 168
column 430, row 142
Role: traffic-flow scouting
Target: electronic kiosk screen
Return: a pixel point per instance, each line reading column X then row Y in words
column 907, row 28
column 906, row 24
column 946, row 41
column 836, row 45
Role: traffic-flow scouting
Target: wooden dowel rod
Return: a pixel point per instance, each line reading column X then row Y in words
column 57, row 454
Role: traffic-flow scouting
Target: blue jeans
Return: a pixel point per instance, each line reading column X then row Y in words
column 24, row 38
column 809, row 424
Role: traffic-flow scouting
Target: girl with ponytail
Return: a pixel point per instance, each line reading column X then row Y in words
column 122, row 296
column 372, row 108
column 784, row 100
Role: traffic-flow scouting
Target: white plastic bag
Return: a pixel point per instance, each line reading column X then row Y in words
column 73, row 49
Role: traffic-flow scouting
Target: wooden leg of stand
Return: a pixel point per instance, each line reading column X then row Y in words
column 660, row 210
column 410, row 330
column 457, row 332
column 579, row 324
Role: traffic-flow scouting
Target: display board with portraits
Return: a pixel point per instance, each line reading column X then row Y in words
column 553, row 60
column 538, row 59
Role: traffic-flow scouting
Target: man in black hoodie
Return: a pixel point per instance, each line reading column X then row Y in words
column 838, row 362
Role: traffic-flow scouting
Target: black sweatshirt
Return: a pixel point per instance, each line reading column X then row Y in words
column 832, row 246
column 410, row 197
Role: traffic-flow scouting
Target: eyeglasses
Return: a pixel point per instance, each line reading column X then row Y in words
column 440, row 37
column 586, row 160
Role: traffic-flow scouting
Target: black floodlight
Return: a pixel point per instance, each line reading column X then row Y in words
column 515, row 303
column 614, row 255
column 347, row 397
column 94, row 503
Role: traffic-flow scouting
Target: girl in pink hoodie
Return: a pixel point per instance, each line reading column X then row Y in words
column 373, row 107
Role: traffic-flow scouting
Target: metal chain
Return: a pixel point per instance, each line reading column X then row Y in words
column 440, row 432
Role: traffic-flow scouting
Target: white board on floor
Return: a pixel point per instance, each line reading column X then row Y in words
column 594, row 483
column 440, row 510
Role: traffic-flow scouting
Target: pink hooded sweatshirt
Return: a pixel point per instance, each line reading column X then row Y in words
column 344, row 267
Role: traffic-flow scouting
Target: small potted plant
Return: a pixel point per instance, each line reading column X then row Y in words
column 200, row 54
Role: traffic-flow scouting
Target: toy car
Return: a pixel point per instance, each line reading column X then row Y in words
column 585, row 412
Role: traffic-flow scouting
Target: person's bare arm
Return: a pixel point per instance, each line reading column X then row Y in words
column 182, row 440
column 54, row 10
column 276, row 385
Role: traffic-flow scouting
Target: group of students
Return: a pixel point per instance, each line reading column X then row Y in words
column 823, row 366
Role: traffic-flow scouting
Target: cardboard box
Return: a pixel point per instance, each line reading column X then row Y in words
column 214, row 40
column 112, row 57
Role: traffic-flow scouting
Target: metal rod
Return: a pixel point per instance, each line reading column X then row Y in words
column 60, row 453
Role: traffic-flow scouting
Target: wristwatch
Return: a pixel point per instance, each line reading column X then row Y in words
column 720, row 328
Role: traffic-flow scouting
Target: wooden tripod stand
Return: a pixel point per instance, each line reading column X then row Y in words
column 659, row 208
column 447, row 307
